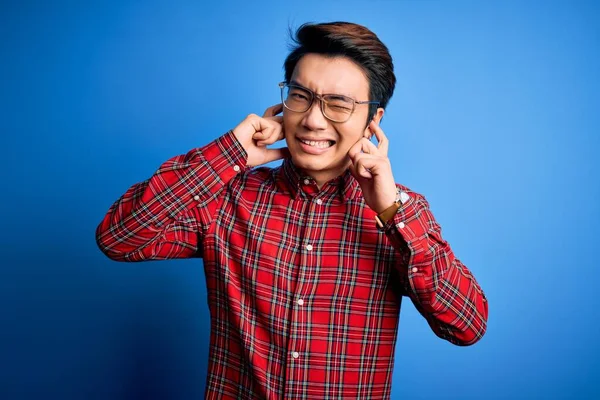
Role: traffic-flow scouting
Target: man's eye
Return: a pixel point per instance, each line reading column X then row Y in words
column 298, row 96
column 339, row 107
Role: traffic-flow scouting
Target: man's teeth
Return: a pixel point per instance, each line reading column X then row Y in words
column 323, row 144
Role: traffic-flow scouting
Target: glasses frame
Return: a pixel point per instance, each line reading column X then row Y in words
column 322, row 101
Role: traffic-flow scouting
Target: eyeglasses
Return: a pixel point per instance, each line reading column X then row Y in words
column 335, row 107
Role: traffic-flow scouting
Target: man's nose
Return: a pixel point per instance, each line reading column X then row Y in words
column 314, row 118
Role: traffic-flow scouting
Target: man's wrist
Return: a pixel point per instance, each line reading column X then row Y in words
column 383, row 217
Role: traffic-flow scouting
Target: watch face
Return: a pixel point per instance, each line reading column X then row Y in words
column 403, row 196
column 399, row 197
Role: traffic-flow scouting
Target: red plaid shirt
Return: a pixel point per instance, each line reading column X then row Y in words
column 304, row 290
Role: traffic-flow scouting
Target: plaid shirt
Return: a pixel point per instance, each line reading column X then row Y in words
column 304, row 290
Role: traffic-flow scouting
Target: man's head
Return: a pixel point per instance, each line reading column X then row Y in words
column 334, row 58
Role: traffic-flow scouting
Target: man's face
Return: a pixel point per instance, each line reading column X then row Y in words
column 318, row 146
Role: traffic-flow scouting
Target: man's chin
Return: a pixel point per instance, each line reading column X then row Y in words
column 303, row 160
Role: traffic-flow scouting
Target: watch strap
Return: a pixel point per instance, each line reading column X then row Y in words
column 387, row 214
column 383, row 217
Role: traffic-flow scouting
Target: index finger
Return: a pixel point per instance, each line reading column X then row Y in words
column 383, row 142
column 361, row 146
column 273, row 110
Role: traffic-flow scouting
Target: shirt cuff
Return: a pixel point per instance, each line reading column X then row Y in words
column 408, row 226
column 226, row 156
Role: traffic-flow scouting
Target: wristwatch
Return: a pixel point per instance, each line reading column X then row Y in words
column 387, row 214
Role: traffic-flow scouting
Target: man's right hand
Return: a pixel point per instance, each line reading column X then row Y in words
column 255, row 133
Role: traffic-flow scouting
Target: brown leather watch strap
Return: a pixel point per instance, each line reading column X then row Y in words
column 387, row 214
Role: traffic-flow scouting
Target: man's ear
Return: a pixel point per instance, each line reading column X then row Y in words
column 377, row 118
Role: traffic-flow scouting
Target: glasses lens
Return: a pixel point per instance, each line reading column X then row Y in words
column 338, row 108
column 296, row 99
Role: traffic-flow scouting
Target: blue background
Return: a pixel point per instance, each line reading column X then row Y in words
column 495, row 119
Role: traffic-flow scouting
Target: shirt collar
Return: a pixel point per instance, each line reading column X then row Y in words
column 290, row 178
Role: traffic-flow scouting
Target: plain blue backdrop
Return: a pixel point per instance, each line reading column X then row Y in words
column 495, row 119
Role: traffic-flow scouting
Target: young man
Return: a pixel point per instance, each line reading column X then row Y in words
column 306, row 264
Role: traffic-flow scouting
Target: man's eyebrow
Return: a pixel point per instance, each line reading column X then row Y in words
column 293, row 82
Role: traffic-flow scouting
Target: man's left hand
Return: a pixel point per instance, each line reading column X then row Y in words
column 372, row 169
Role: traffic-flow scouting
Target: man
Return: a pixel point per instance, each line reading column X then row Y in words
column 306, row 263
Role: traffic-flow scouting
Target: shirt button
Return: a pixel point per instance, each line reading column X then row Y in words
column 401, row 225
column 306, row 181
column 295, row 354
column 415, row 269
column 236, row 168
column 319, row 201
column 300, row 302
column 309, row 247
column 196, row 197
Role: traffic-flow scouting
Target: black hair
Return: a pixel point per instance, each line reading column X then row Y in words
column 353, row 41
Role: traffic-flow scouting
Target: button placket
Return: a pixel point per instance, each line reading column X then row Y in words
column 297, row 343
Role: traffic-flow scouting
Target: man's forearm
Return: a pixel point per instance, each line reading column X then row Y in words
column 442, row 288
column 162, row 216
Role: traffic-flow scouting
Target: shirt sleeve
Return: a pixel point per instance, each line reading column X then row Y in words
column 162, row 217
column 440, row 286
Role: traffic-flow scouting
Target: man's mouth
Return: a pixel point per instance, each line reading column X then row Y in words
column 320, row 144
